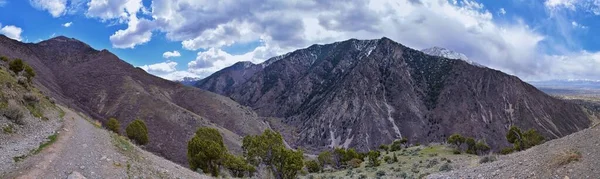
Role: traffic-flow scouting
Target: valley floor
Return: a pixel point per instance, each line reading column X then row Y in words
column 85, row 148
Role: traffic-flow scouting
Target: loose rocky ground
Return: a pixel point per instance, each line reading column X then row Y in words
column 83, row 148
column 573, row 156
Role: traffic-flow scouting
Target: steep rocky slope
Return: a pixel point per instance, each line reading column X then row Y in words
column 362, row 93
column 101, row 85
column 573, row 156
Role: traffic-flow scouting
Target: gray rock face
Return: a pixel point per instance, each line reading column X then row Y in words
column 223, row 80
column 363, row 93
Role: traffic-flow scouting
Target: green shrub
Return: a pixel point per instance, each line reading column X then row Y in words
column 354, row 163
column 4, row 59
column 205, row 150
column 138, row 132
column 374, row 158
column 16, row 65
column 238, row 166
column 507, row 150
column 384, row 147
column 487, row 159
column 380, row 173
column 30, row 98
column 432, row 163
column 482, row 147
column 387, row 159
column 446, row 167
column 456, row 139
column 522, row 141
column 29, row 73
column 113, row 125
column 456, row 151
column 471, row 149
column 325, row 158
column 14, row 114
column 268, row 149
column 8, row 129
column 313, row 166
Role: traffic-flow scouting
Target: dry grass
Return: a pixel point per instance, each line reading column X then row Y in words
column 567, row 157
column 97, row 123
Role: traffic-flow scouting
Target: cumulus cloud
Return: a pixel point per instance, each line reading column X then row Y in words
column 282, row 26
column 174, row 53
column 167, row 70
column 11, row 31
column 139, row 31
column 163, row 67
column 68, row 24
column 55, row 7
column 502, row 11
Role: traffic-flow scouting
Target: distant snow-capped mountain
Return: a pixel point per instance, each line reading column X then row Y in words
column 189, row 81
column 443, row 52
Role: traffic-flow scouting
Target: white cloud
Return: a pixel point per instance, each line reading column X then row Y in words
column 2, row 3
column 56, row 8
column 68, row 24
column 137, row 32
column 576, row 65
column 212, row 60
column 552, row 4
column 167, row 70
column 282, row 26
column 11, row 31
column 174, row 53
column 502, row 11
column 163, row 67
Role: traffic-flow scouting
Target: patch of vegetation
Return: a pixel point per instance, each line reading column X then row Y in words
column 16, row 65
column 446, row 167
column 206, row 151
column 473, row 147
column 35, row 110
column 487, row 159
column 523, row 140
column 121, row 142
column 507, row 150
column 567, row 157
column 14, row 114
column 113, row 125
column 4, row 59
column 8, row 129
column 137, row 131
column 51, row 139
column 313, row 166
column 19, row 158
column 238, row 166
column 268, row 149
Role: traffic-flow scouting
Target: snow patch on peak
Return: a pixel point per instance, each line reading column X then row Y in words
column 443, row 52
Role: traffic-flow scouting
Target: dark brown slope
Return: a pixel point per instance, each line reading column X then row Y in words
column 102, row 85
column 363, row 93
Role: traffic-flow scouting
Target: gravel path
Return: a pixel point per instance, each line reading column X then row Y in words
column 543, row 161
column 91, row 151
column 25, row 139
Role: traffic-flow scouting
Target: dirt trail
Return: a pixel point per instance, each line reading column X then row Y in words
column 91, row 151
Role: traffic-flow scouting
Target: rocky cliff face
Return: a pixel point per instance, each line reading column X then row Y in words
column 102, row 85
column 363, row 93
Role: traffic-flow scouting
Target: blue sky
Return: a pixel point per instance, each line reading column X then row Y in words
column 535, row 40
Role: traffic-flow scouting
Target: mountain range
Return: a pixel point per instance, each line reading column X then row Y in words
column 363, row 93
column 101, row 85
column 354, row 93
